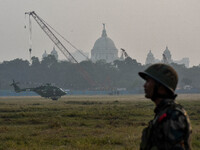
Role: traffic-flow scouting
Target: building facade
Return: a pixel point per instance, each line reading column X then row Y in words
column 150, row 58
column 166, row 58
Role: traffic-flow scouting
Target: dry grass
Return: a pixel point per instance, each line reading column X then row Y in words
column 82, row 122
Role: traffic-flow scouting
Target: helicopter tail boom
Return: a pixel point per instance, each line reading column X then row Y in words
column 16, row 87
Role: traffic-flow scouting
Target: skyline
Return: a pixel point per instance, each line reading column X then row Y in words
column 80, row 57
column 137, row 26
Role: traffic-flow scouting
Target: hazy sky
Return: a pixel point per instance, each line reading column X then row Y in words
column 135, row 25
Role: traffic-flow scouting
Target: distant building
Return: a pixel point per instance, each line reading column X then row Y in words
column 184, row 61
column 166, row 58
column 53, row 52
column 150, row 58
column 104, row 49
column 44, row 54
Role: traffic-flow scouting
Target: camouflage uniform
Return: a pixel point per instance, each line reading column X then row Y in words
column 169, row 130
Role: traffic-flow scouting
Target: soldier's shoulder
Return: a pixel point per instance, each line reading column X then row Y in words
column 176, row 111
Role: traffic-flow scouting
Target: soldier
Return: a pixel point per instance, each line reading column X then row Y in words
column 170, row 129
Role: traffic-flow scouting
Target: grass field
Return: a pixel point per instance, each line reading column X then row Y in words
column 82, row 122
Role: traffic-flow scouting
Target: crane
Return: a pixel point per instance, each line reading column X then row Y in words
column 59, row 45
column 52, row 36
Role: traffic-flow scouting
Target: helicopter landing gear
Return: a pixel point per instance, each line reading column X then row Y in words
column 55, row 98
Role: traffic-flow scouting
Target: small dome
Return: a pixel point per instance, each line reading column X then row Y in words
column 150, row 58
column 55, row 53
column 44, row 55
column 166, row 51
column 167, row 55
column 150, row 54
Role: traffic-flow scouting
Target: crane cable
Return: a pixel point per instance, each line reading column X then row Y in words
column 30, row 35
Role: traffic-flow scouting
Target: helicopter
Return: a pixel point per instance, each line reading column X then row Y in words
column 46, row 91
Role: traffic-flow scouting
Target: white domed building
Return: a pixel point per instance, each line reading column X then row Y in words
column 104, row 49
column 167, row 57
column 53, row 52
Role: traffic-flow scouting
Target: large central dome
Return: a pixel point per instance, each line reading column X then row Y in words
column 104, row 48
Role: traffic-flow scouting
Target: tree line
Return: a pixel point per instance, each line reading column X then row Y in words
column 85, row 75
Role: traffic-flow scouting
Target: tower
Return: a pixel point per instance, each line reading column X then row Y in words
column 167, row 58
column 150, row 58
column 44, row 54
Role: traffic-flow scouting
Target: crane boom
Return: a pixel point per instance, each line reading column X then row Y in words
column 60, row 46
column 50, row 34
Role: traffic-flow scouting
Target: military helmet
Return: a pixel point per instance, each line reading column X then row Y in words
column 163, row 74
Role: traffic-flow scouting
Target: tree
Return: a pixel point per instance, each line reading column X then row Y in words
column 186, row 81
column 49, row 61
column 35, row 61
